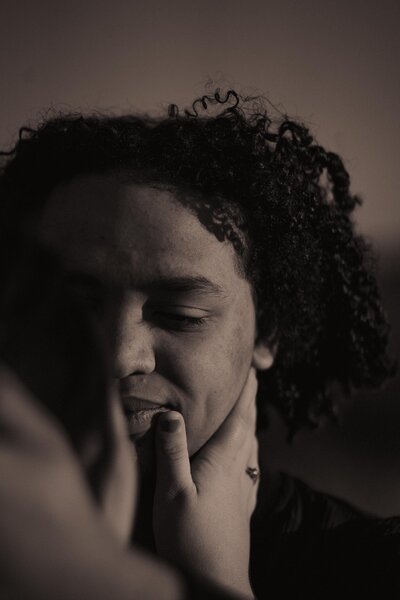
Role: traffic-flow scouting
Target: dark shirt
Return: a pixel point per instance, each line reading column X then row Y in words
column 311, row 544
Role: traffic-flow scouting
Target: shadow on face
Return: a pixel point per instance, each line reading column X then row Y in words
column 183, row 318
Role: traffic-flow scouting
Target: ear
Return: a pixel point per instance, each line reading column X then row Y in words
column 263, row 356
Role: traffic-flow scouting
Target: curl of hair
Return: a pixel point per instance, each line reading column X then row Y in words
column 282, row 200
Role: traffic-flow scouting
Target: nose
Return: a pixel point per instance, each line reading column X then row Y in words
column 133, row 346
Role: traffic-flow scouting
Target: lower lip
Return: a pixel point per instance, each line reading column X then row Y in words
column 141, row 420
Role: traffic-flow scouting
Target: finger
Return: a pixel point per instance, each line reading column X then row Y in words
column 228, row 441
column 252, row 457
column 118, row 488
column 253, row 485
column 173, row 465
column 122, row 449
column 251, row 414
column 249, row 432
column 243, row 409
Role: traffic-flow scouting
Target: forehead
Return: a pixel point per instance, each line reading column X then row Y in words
column 108, row 226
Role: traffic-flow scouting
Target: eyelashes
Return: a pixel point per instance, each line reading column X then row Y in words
column 179, row 321
column 173, row 318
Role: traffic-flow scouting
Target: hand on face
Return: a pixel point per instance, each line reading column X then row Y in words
column 202, row 508
column 43, row 487
column 55, row 541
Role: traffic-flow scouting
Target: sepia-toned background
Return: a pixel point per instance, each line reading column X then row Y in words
column 333, row 64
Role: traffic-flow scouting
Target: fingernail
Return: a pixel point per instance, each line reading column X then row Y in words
column 170, row 425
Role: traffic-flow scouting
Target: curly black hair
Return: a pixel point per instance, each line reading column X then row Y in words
column 282, row 200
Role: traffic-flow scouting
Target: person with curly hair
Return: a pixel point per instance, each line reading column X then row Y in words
column 227, row 240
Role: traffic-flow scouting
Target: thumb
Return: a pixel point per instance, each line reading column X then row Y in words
column 173, row 464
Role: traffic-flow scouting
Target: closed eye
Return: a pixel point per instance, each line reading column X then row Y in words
column 178, row 321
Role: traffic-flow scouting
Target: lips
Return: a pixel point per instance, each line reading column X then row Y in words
column 140, row 412
column 134, row 403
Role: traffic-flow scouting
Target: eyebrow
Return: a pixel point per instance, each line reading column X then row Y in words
column 197, row 283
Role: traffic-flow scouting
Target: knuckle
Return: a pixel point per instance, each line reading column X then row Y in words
column 174, row 450
column 178, row 495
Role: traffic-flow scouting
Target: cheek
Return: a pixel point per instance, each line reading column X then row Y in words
column 209, row 372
